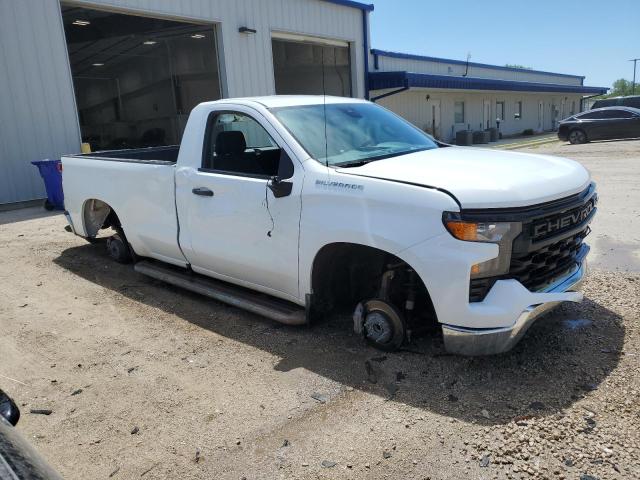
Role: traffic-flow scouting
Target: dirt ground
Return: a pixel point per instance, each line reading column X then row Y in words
column 148, row 381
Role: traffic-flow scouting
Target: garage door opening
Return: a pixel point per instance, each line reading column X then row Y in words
column 299, row 68
column 137, row 78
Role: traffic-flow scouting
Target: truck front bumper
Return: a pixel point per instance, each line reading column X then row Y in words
column 490, row 341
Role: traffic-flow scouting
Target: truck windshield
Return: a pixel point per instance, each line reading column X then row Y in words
column 356, row 133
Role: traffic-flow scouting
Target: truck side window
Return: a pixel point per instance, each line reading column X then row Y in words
column 236, row 143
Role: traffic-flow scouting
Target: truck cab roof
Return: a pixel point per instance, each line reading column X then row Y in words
column 277, row 101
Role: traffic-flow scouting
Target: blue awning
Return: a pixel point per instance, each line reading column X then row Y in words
column 385, row 80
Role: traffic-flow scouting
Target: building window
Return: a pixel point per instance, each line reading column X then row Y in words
column 500, row 111
column 573, row 107
column 458, row 115
column 518, row 114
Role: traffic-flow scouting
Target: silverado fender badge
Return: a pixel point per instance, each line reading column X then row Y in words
column 326, row 184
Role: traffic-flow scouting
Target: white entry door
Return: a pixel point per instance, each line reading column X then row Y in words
column 540, row 116
column 486, row 114
column 433, row 115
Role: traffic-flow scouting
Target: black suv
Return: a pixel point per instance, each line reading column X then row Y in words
column 601, row 124
column 630, row 101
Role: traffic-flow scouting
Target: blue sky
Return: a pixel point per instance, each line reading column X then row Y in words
column 591, row 38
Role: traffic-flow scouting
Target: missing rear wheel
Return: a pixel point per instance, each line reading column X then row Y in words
column 118, row 249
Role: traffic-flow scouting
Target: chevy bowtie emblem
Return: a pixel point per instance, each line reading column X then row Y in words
column 563, row 222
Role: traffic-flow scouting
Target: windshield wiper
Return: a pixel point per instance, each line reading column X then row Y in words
column 355, row 163
column 364, row 161
column 370, row 148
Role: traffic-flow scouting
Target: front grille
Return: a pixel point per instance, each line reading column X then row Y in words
column 537, row 269
column 555, row 225
column 479, row 287
column 550, row 245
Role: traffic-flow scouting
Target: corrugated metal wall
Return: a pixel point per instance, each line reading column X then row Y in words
column 390, row 64
column 247, row 59
column 38, row 118
column 414, row 106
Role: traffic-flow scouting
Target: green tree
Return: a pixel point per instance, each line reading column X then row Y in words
column 621, row 88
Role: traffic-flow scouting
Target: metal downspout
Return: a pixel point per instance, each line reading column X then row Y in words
column 393, row 92
column 587, row 98
column 365, row 43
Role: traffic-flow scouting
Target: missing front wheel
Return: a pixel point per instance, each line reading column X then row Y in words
column 381, row 324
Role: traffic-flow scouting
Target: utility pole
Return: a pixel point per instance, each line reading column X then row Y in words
column 633, row 85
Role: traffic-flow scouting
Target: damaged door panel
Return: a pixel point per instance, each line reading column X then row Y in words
column 243, row 230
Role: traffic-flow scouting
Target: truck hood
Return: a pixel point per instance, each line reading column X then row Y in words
column 483, row 178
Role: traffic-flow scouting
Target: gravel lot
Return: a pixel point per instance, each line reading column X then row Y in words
column 148, row 381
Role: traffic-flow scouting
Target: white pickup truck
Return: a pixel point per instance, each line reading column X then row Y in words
column 295, row 206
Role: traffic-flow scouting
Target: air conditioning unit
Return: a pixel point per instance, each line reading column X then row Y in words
column 493, row 134
column 481, row 136
column 464, row 137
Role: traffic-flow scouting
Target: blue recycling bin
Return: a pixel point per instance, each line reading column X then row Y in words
column 51, row 173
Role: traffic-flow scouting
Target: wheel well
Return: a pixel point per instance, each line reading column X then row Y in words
column 578, row 129
column 344, row 274
column 98, row 215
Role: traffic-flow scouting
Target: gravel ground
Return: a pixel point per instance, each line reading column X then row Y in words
column 616, row 229
column 146, row 381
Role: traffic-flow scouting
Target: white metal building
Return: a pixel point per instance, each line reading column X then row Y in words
column 443, row 96
column 126, row 73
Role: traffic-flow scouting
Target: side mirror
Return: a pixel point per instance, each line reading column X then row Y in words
column 8, row 409
column 279, row 187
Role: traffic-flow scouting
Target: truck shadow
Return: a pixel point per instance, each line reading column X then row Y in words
column 563, row 357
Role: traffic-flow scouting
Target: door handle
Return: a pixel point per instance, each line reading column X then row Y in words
column 203, row 191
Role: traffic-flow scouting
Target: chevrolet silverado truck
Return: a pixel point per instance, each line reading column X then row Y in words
column 293, row 207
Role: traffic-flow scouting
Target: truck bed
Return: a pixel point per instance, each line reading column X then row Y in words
column 166, row 155
column 138, row 186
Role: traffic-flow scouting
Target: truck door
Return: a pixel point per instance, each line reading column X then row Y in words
column 233, row 226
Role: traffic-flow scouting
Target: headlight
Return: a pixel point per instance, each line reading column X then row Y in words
column 479, row 231
column 502, row 233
